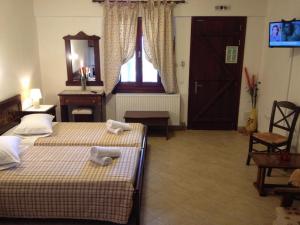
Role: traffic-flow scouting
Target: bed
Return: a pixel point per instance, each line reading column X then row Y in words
column 89, row 134
column 60, row 182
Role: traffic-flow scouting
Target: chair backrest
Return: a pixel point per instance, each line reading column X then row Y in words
column 288, row 115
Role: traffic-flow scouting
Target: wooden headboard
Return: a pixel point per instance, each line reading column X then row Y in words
column 10, row 113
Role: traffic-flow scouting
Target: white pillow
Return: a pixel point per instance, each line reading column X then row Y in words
column 9, row 151
column 32, row 124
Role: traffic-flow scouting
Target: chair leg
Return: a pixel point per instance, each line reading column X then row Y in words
column 270, row 150
column 249, row 150
column 269, row 172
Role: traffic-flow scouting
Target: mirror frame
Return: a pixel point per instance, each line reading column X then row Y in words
column 82, row 36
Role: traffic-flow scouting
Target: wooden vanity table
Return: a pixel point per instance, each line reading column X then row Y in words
column 70, row 99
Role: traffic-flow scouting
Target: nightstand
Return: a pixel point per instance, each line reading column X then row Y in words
column 50, row 109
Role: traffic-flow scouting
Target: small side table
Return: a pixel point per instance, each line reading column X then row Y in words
column 50, row 109
column 149, row 118
column 70, row 99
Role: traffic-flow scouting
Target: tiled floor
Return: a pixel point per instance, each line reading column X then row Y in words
column 199, row 178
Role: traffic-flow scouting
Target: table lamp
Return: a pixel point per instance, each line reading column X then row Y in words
column 35, row 95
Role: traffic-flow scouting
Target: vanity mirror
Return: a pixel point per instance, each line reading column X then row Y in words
column 82, row 58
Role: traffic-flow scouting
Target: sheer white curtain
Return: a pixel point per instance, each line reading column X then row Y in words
column 157, row 19
column 120, row 29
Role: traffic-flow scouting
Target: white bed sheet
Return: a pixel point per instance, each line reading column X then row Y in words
column 26, row 140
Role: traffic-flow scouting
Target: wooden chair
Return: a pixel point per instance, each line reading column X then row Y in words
column 288, row 115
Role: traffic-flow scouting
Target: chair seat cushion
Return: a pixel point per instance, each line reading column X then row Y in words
column 82, row 111
column 271, row 138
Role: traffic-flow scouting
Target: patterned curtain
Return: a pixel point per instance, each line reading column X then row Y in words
column 159, row 41
column 120, row 30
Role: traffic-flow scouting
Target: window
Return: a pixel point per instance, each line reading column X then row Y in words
column 138, row 74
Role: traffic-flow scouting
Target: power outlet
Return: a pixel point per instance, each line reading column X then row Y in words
column 222, row 7
column 182, row 63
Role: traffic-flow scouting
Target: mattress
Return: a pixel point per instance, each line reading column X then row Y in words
column 61, row 182
column 91, row 134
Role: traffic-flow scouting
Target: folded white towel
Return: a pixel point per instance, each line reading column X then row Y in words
column 116, row 124
column 115, row 131
column 104, row 155
column 98, row 152
column 103, row 161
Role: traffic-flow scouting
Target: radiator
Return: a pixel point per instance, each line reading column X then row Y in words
column 149, row 102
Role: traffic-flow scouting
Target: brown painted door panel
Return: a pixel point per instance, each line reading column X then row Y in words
column 214, row 86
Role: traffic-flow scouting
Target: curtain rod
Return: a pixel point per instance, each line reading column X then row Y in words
column 143, row 1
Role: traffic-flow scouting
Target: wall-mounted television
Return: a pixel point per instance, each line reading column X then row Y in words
column 284, row 34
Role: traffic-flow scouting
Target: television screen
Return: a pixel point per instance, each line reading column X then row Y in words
column 284, row 34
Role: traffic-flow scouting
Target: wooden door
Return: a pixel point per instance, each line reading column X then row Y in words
column 216, row 63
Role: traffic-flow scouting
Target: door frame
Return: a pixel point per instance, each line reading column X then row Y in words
column 241, row 57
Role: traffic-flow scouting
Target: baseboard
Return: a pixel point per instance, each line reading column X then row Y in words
column 182, row 126
column 171, row 127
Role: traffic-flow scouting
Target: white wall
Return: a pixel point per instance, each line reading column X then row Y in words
column 54, row 20
column 19, row 60
column 57, row 18
column 206, row 8
column 281, row 67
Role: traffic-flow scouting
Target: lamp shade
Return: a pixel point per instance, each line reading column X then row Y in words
column 35, row 94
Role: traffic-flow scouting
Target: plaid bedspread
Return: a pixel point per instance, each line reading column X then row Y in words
column 60, row 182
column 90, row 134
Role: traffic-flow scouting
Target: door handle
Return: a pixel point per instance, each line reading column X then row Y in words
column 196, row 87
